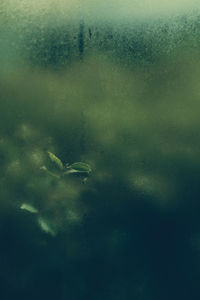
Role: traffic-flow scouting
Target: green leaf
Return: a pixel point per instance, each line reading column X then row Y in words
column 46, row 227
column 81, row 167
column 29, row 208
column 55, row 160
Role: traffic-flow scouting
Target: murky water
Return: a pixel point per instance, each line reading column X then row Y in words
column 118, row 92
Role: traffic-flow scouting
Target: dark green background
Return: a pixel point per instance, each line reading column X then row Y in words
column 126, row 100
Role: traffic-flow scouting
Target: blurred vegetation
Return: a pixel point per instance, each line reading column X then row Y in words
column 129, row 108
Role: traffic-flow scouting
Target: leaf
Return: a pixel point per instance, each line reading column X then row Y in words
column 29, row 207
column 81, row 167
column 46, row 227
column 55, row 160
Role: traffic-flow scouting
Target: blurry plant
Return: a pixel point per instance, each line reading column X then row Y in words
column 51, row 191
column 58, row 170
column 55, row 168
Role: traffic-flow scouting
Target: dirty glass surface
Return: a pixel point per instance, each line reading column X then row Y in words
column 99, row 149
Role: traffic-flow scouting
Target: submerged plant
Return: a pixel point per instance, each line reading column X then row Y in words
column 55, row 168
column 58, row 170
